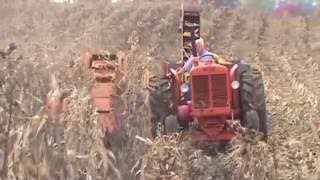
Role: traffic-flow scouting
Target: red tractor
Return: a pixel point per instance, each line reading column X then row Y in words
column 222, row 91
column 286, row 7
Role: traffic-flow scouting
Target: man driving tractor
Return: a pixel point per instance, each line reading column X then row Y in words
column 203, row 53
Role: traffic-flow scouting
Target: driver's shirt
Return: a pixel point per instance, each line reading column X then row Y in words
column 206, row 56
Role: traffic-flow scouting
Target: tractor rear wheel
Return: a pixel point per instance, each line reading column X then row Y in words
column 252, row 100
column 259, row 102
column 160, row 102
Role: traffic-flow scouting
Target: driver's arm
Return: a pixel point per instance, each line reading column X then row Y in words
column 187, row 66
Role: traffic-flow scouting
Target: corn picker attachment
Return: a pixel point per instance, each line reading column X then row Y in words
column 221, row 91
column 104, row 67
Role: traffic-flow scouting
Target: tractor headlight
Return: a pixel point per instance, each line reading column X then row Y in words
column 184, row 88
column 235, row 84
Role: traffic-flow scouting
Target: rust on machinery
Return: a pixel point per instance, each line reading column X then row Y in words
column 104, row 67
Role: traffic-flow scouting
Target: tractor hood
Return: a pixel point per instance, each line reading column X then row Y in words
column 211, row 91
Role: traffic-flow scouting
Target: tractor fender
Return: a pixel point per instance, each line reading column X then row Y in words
column 234, row 76
column 166, row 69
column 175, row 83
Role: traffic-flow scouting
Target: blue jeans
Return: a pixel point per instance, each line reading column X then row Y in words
column 187, row 95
